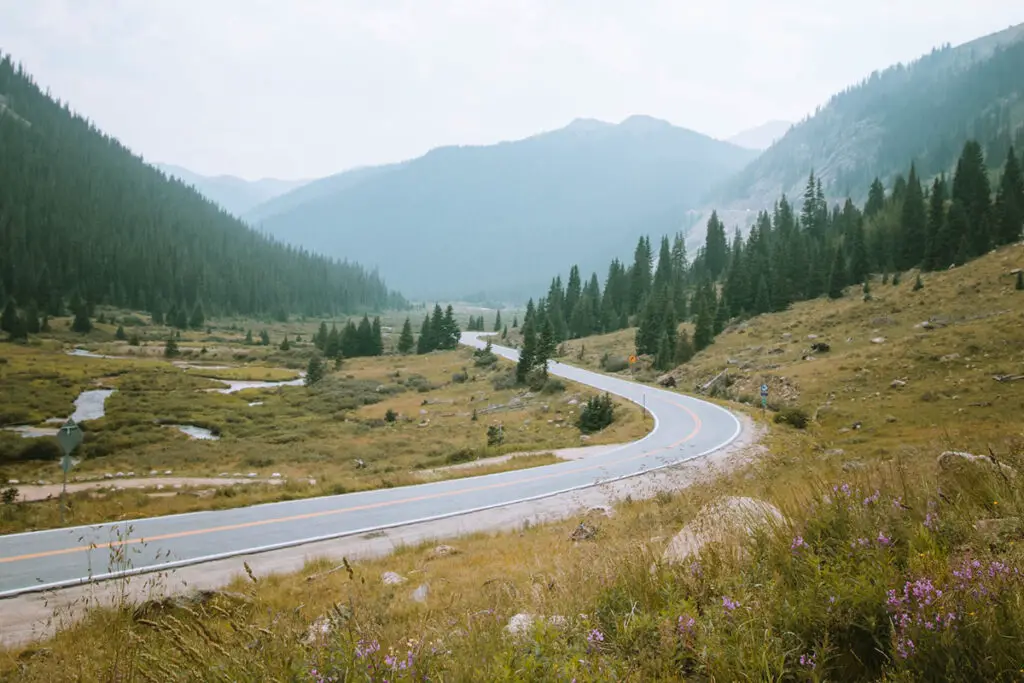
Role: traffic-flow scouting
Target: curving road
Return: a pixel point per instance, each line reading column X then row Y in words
column 685, row 428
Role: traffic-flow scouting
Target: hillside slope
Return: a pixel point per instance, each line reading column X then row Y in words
column 923, row 112
column 493, row 220
column 761, row 137
column 80, row 215
column 236, row 195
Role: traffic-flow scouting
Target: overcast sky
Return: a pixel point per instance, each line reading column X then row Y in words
column 305, row 88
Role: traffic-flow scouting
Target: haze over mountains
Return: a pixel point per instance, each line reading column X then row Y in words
column 761, row 137
column 491, row 221
column 236, row 195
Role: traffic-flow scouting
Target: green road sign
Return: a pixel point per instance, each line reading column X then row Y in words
column 69, row 436
column 66, row 463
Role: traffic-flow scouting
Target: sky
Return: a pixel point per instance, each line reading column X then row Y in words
column 307, row 88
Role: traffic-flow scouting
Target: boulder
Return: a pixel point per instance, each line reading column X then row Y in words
column 727, row 520
column 443, row 551
column 392, row 579
column 951, row 462
column 421, row 593
column 667, row 381
column 820, row 347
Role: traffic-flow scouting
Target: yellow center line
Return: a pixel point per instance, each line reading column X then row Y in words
column 356, row 508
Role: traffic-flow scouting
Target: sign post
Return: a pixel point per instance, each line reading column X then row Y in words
column 69, row 436
column 632, row 362
column 764, row 398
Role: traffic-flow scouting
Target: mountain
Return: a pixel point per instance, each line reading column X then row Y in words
column 236, row 195
column 492, row 221
column 83, row 217
column 761, row 137
column 923, row 111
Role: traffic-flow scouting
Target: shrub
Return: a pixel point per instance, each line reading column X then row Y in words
column 597, row 413
column 495, row 435
column 614, row 363
column 553, row 386
column 459, row 377
column 390, row 415
column 536, row 379
column 461, row 455
column 41, row 449
column 505, row 380
column 794, row 417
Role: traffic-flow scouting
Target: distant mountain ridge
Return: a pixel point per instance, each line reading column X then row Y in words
column 493, row 220
column 236, row 195
column 761, row 137
column 923, row 111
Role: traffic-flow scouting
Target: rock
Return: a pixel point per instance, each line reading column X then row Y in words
column 949, row 357
column 108, row 475
column 443, row 551
column 252, row 475
column 574, row 401
column 897, row 383
column 583, row 532
column 667, row 381
column 812, row 336
column 820, row 347
column 808, row 357
column 726, row 520
column 360, row 463
column 423, row 411
column 275, row 475
column 223, row 474
column 600, row 510
column 392, row 579
column 13, row 482
column 131, row 474
column 312, row 482
column 890, row 418
column 878, row 340
column 953, row 461
column 925, row 325
column 168, row 472
column 852, row 465
column 421, row 593
column 119, row 475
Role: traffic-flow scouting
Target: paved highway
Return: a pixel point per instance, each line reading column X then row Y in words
column 685, row 428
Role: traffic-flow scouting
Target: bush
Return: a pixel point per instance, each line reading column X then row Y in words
column 553, row 386
column 461, row 455
column 536, row 379
column 505, row 380
column 794, row 417
column 495, row 435
column 390, row 416
column 41, row 449
column 597, row 413
column 459, row 377
column 614, row 363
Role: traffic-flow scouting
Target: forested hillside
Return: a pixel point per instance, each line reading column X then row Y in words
column 498, row 216
column 82, row 217
column 235, row 195
column 922, row 112
column 787, row 257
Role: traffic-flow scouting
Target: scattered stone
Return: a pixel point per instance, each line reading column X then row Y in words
column 890, row 418
column 168, row 472
column 275, row 475
column 423, row 411
column 360, row 463
column 852, row 465
column 667, row 381
column 808, row 357
column 252, row 475
column 312, row 482
column 949, row 357
column 600, row 510
column 131, row 474
column 835, row 452
column 392, row 579
column 108, row 475
column 820, row 347
column 421, row 593
column 153, row 473
column 925, row 325
column 878, row 340
column 812, row 336
column 951, row 461
column 573, row 401
column 443, row 551
column 13, row 482
column 119, row 475
column 726, row 520
column 898, row 383
column 223, row 474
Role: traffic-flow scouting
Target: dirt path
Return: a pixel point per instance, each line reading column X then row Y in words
column 32, row 617
column 32, row 492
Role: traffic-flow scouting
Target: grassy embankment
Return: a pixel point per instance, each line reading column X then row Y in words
column 313, row 437
column 886, row 568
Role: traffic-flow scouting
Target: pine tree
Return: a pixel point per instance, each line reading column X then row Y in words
column 895, row 278
column 320, row 338
column 913, row 224
column 198, row 318
column 837, row 275
column 248, row 337
column 867, row 290
column 937, row 248
column 497, row 322
column 958, row 229
column 545, row 346
column 264, row 338
column 171, row 347
column 971, row 188
column 285, row 344
column 684, row 348
column 157, row 314
column 721, row 317
column 918, row 284
column 31, row 319
column 424, row 342
column 640, row 275
column 378, row 336
column 527, row 354
column 665, row 355
column 504, row 332
column 1009, row 206
column 762, row 301
column 515, row 322
column 1020, row 280
column 649, row 326
column 704, row 333
column 10, row 321
column 81, row 323
column 119, row 334
column 315, row 370
column 364, row 341
column 716, row 248
column 876, row 199
column 450, row 330
column 406, row 341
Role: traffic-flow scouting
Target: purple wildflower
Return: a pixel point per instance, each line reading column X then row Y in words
column 808, row 660
column 797, row 543
column 931, row 521
column 595, row 637
column 883, row 539
column 904, row 647
column 686, row 625
column 729, row 604
column 364, row 649
column 873, row 498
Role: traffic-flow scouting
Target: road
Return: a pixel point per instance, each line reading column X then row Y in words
column 685, row 428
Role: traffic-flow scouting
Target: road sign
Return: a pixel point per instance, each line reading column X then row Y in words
column 69, row 436
column 632, row 359
column 66, row 463
column 764, row 391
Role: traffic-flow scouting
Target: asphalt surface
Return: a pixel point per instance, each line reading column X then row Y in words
column 685, row 428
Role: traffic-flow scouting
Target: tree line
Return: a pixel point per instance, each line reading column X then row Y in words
column 787, row 256
column 81, row 217
column 353, row 341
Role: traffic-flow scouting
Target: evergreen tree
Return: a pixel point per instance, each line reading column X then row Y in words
column 438, row 329
column 171, row 347
column 497, row 322
column 876, row 199
column 31, row 319
column 406, row 341
column 378, row 337
column 364, row 341
column 515, row 322
column 1020, row 280
column 704, row 333
column 198, row 318
column 859, row 265
column 426, row 335
column 684, row 348
column 320, row 338
column 914, row 224
column 248, row 337
column 640, row 275
column 504, row 332
column 762, row 301
column 867, row 290
column 573, row 290
column 545, row 346
column 285, row 344
column 721, row 317
column 649, row 328
column 937, row 244
column 665, row 355
column 81, row 323
column 315, row 370
column 958, row 229
column 332, row 348
column 352, row 341
column 918, row 284
column 837, row 276
column 716, row 248
column 1009, row 206
column 119, row 334
column 157, row 314
column 450, row 330
column 11, row 322
column 971, row 188
column 265, row 338
column 181, row 318
column 528, row 353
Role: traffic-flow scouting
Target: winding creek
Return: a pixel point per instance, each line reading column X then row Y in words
column 91, row 404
